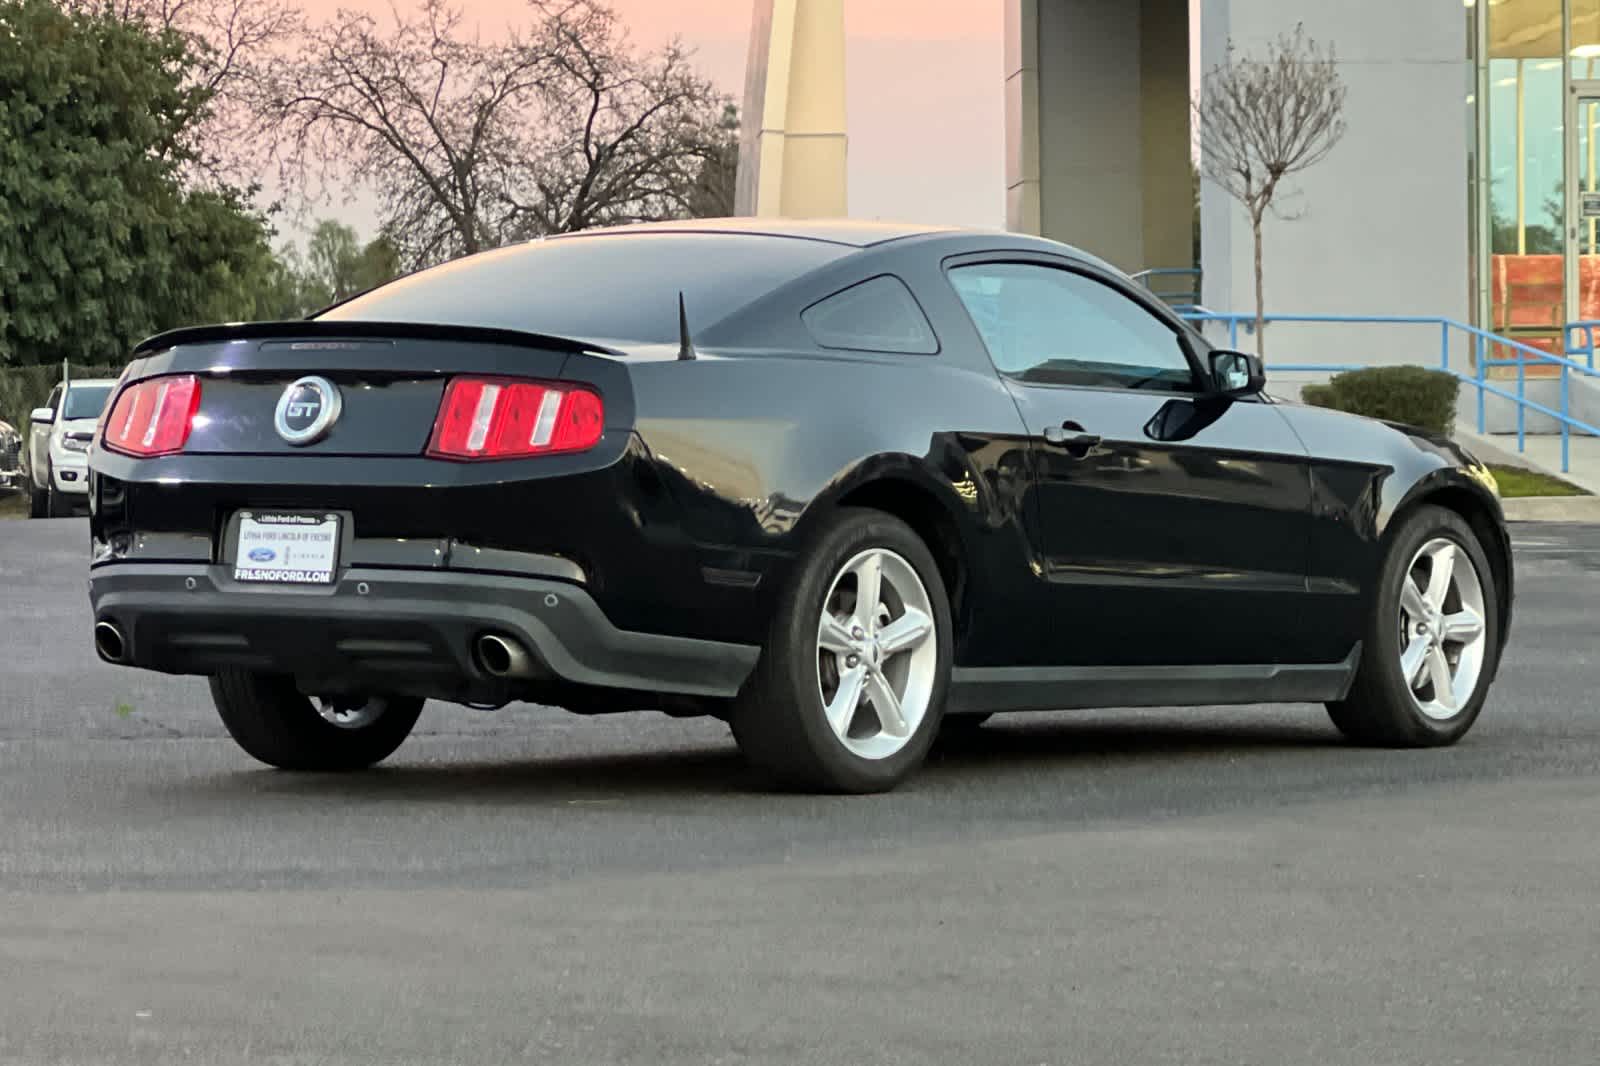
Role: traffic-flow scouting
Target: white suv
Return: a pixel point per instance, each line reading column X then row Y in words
column 58, row 445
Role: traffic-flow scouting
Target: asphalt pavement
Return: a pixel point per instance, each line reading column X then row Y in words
column 1168, row 886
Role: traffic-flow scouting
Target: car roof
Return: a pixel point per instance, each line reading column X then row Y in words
column 75, row 382
column 850, row 232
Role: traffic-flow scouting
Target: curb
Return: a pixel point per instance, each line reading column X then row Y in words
column 1579, row 509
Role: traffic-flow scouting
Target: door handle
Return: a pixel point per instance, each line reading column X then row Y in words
column 1070, row 435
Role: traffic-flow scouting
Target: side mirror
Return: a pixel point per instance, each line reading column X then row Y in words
column 1237, row 373
column 42, row 415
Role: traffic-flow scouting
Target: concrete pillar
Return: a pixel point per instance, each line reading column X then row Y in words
column 792, row 151
column 1164, row 116
column 1022, row 115
column 1097, row 127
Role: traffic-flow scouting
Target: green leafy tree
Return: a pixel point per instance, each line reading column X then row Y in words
column 379, row 264
column 716, row 178
column 333, row 257
column 101, row 241
column 338, row 266
column 282, row 291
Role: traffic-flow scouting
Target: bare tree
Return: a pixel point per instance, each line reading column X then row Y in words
column 625, row 137
column 1263, row 119
column 557, row 127
column 230, row 44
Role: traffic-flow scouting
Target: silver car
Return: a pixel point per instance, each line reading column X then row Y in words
column 11, row 473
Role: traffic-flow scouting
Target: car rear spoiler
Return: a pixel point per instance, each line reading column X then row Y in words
column 344, row 330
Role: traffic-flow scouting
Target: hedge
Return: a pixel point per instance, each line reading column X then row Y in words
column 1413, row 395
column 22, row 388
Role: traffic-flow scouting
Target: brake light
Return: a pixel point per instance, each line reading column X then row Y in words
column 154, row 417
column 509, row 418
column 105, row 408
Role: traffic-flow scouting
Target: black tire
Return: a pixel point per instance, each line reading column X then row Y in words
column 39, row 498
column 1380, row 710
column 274, row 722
column 778, row 719
column 55, row 506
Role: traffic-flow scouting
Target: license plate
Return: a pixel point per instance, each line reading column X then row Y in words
column 285, row 548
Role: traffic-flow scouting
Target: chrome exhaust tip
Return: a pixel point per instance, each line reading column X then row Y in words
column 108, row 642
column 502, row 657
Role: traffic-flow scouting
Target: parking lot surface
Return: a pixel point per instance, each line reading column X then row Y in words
column 1185, row 886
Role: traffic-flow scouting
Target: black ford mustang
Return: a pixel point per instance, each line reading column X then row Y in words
column 842, row 485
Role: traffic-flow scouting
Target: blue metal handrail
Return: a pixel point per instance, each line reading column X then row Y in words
column 1479, row 340
column 1181, row 299
column 1586, row 346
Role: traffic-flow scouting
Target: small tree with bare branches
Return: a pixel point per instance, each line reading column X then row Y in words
column 1263, row 119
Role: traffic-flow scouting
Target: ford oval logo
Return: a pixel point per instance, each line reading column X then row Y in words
column 307, row 410
column 262, row 555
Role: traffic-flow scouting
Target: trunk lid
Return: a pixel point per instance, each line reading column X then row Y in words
column 389, row 380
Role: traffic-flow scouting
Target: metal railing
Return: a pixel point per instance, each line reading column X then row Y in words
column 1478, row 344
column 1182, row 297
column 1585, row 347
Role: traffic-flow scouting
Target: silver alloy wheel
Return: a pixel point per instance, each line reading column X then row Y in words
column 876, row 654
column 1443, row 636
column 347, row 717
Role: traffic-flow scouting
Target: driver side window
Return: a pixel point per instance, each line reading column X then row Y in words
column 1048, row 326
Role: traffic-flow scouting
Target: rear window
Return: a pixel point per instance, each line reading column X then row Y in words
column 622, row 288
column 876, row 315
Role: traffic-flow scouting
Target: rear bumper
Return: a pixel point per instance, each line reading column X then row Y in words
column 409, row 629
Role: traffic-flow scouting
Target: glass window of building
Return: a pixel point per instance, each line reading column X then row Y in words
column 1583, row 269
column 1524, row 169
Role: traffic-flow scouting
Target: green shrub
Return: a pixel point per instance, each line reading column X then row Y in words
column 1410, row 394
column 22, row 388
column 1317, row 395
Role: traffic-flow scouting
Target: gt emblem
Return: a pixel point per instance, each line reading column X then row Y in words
column 307, row 410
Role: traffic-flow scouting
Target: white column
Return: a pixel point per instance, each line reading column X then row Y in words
column 1022, row 116
column 792, row 154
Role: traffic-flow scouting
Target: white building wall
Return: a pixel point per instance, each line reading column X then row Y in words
column 1382, row 224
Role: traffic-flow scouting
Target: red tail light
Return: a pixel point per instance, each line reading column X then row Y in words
column 509, row 418
column 154, row 417
column 105, row 408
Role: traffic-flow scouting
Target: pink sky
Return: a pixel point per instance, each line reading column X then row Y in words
column 927, row 110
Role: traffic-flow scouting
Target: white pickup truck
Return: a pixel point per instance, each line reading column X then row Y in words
column 58, row 446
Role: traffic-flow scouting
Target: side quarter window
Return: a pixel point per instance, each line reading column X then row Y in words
column 876, row 315
column 1050, row 326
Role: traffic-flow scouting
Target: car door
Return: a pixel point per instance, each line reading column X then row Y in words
column 1171, row 524
column 39, row 440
